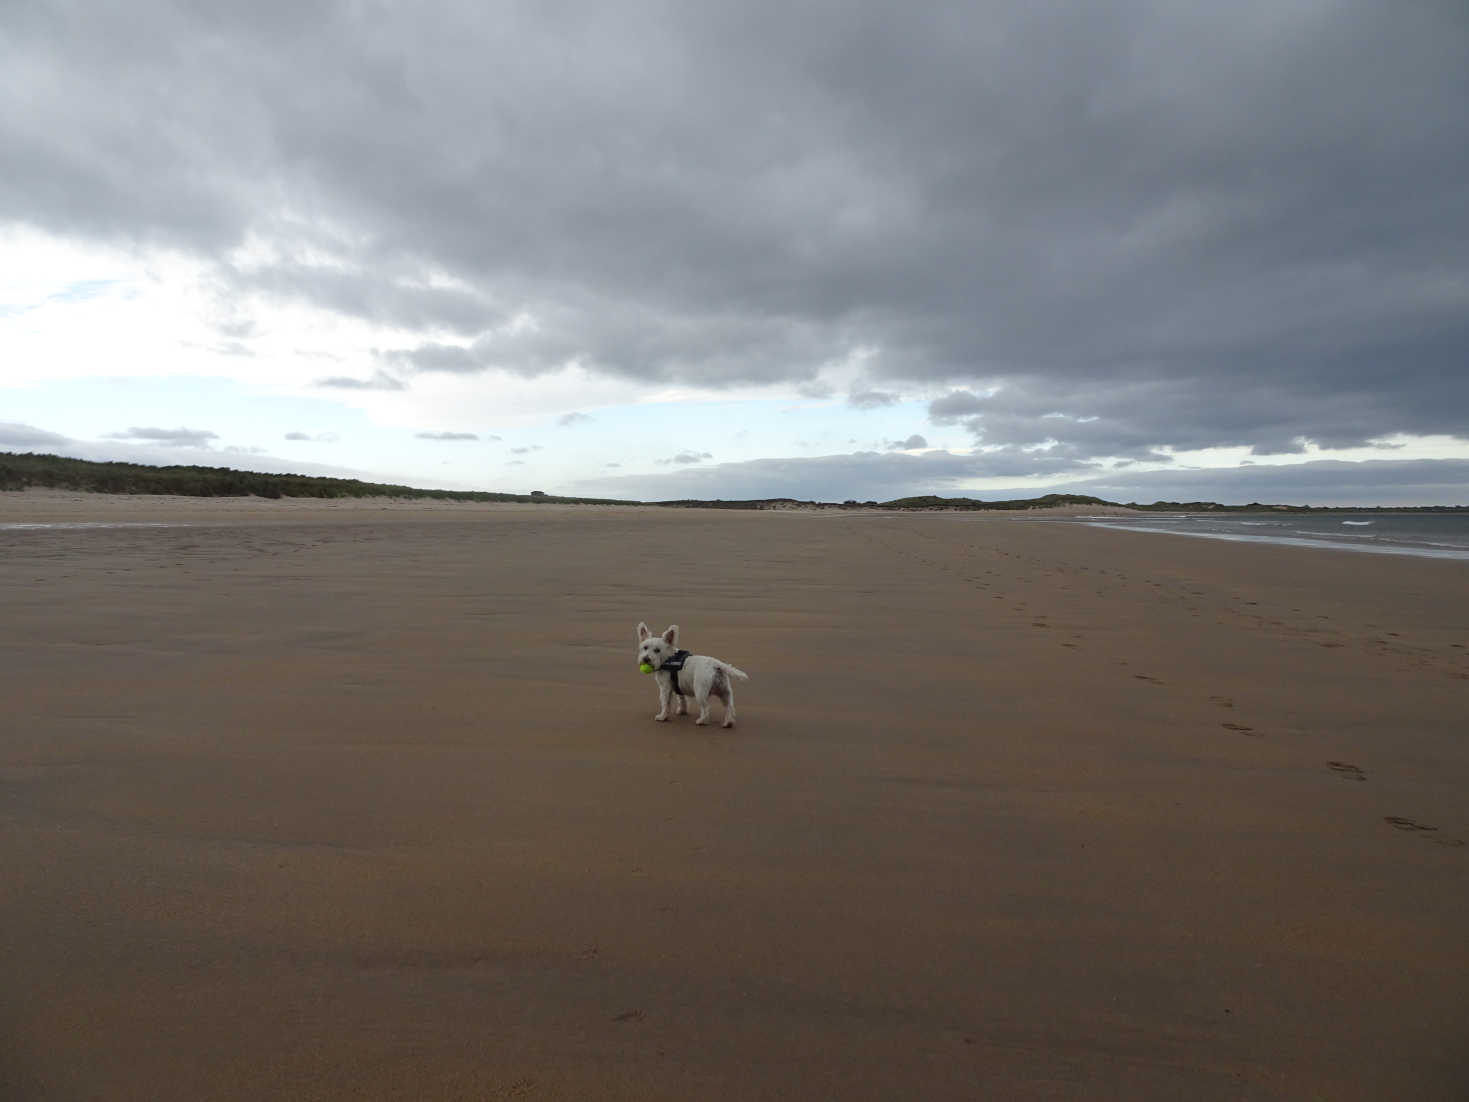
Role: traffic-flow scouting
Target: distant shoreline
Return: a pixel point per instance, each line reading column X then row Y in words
column 31, row 471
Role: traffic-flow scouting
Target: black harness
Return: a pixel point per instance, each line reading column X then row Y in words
column 673, row 665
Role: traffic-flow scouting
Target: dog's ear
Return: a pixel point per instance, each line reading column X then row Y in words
column 671, row 636
column 643, row 632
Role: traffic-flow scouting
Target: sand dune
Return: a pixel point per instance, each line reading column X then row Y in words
column 331, row 801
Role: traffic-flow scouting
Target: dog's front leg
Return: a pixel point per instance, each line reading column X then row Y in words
column 664, row 692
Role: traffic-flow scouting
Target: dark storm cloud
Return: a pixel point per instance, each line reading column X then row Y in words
column 173, row 438
column 1147, row 224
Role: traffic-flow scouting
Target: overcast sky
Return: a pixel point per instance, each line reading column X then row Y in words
column 735, row 249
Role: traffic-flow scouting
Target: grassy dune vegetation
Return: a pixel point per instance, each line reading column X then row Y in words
column 60, row 473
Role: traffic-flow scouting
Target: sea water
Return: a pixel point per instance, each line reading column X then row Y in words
column 1430, row 535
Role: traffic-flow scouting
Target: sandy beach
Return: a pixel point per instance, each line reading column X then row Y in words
column 364, row 800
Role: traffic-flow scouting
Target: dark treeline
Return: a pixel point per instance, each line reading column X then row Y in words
column 56, row 472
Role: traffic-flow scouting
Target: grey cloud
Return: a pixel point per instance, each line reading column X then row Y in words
column 684, row 458
column 15, row 435
column 239, row 329
column 525, row 450
column 180, row 437
column 861, row 475
column 573, row 418
column 374, row 294
column 914, row 441
column 871, row 399
column 378, row 381
column 1133, row 418
column 446, row 436
column 1252, row 223
column 451, row 358
column 1320, row 482
column 318, row 438
column 954, row 405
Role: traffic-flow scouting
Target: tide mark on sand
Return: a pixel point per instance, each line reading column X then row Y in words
column 1412, row 826
column 1241, row 728
column 1346, row 771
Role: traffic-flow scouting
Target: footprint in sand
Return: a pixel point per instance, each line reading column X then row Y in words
column 1221, row 701
column 630, row 1016
column 1346, row 771
column 1145, row 677
column 1414, row 827
column 1241, row 728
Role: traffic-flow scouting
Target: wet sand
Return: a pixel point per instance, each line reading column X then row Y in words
column 354, row 801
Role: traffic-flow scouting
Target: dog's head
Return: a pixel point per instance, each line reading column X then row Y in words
column 653, row 649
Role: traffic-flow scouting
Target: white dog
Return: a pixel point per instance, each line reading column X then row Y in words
column 679, row 672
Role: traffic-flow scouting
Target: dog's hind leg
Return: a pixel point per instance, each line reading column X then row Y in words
column 719, row 686
column 703, row 686
column 724, row 689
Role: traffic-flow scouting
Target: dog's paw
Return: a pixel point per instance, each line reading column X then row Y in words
column 727, row 723
column 661, row 717
column 702, row 721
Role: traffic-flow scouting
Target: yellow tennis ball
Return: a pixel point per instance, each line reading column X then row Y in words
column 645, row 668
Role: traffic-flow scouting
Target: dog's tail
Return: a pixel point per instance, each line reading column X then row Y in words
column 741, row 674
